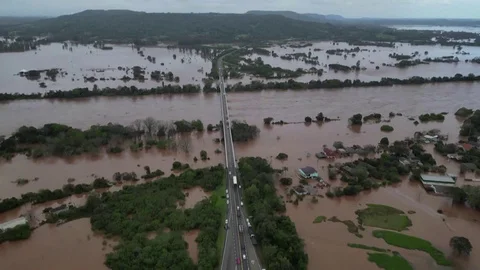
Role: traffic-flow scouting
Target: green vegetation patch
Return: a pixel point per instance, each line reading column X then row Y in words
column 386, row 128
column 352, row 228
column 383, row 216
column 414, row 243
column 281, row 246
column 134, row 211
column 320, row 219
column 389, row 262
column 360, row 246
column 16, row 233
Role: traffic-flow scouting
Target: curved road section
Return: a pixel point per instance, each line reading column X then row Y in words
column 238, row 252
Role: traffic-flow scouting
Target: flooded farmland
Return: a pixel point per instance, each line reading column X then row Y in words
column 86, row 61
column 326, row 243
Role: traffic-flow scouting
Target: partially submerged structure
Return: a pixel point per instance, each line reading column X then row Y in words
column 438, row 183
column 13, row 223
column 308, row 172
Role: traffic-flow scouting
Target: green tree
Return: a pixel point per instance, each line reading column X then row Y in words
column 384, row 141
column 203, row 155
column 461, row 245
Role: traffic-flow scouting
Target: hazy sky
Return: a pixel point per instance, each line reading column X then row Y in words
column 347, row 8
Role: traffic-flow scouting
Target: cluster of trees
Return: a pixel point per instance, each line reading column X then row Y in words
column 339, row 67
column 152, row 207
column 471, row 126
column 107, row 91
column 386, row 128
column 17, row 46
column 356, row 120
column 178, row 166
column 463, row 112
column 365, row 174
column 63, row 141
column 242, row 132
column 431, row 117
column 282, row 248
column 16, row 233
column 468, row 194
column 372, row 117
column 45, row 195
column 282, row 156
column 335, row 83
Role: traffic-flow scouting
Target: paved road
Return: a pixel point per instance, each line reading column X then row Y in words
column 239, row 252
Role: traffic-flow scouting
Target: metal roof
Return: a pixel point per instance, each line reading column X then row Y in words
column 308, row 170
column 437, row 178
column 13, row 223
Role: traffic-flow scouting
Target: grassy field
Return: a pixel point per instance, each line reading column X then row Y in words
column 389, row 262
column 411, row 242
column 352, row 245
column 320, row 219
column 382, row 216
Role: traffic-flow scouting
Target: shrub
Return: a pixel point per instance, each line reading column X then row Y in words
column 386, row 128
column 203, row 155
column 286, row 181
column 384, row 141
column 282, row 156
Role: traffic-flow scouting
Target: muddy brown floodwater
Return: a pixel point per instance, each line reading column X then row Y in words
column 88, row 61
column 70, row 246
column 190, row 238
column 195, row 195
column 326, row 243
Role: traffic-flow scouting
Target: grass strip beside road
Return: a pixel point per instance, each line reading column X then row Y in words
column 389, row 262
column 413, row 243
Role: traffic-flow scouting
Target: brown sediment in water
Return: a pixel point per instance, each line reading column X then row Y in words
column 195, row 195
column 69, row 246
column 190, row 238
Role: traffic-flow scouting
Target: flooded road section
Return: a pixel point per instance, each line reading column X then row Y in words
column 70, row 246
column 89, row 61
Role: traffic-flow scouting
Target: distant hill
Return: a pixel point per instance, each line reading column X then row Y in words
column 187, row 28
column 309, row 17
column 124, row 26
column 7, row 20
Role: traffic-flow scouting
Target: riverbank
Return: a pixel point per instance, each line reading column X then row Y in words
column 82, row 93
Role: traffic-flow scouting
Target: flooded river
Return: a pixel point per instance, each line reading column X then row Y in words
column 70, row 246
column 74, row 245
column 190, row 67
column 370, row 57
column 89, row 61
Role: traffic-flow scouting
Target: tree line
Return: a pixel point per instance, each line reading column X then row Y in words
column 109, row 92
column 253, row 86
column 281, row 246
column 64, row 141
column 137, row 210
column 46, row 195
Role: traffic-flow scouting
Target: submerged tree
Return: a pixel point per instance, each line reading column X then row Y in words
column 461, row 245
